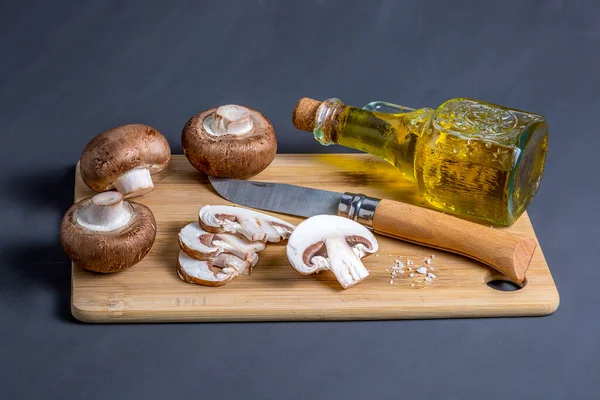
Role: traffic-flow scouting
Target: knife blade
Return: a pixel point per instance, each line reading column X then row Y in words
column 508, row 253
column 278, row 197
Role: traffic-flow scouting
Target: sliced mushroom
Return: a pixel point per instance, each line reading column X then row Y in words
column 230, row 141
column 124, row 158
column 214, row 272
column 106, row 234
column 202, row 245
column 329, row 242
column 253, row 225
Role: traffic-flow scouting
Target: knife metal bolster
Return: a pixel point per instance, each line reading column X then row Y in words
column 358, row 207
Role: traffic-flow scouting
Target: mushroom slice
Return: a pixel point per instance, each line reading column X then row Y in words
column 124, row 158
column 203, row 272
column 329, row 242
column 253, row 225
column 106, row 234
column 216, row 271
column 202, row 245
column 229, row 141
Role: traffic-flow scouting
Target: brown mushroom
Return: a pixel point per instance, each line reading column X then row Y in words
column 124, row 158
column 106, row 234
column 230, row 141
column 329, row 242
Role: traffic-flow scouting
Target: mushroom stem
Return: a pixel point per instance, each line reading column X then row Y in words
column 344, row 262
column 248, row 227
column 229, row 120
column 135, row 182
column 225, row 247
column 105, row 212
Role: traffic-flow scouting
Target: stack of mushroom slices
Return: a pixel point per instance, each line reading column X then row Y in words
column 224, row 243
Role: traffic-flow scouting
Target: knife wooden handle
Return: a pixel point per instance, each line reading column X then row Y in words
column 507, row 253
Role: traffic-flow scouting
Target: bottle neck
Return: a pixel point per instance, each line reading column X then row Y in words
column 388, row 136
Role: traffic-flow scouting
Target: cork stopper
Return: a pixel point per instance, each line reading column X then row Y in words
column 305, row 114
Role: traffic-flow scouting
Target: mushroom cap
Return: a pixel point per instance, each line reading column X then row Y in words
column 307, row 240
column 119, row 150
column 203, row 272
column 111, row 251
column 229, row 156
column 252, row 225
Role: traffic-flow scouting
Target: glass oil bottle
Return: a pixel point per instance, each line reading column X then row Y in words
column 469, row 158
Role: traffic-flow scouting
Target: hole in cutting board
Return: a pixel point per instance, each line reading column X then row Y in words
column 502, row 284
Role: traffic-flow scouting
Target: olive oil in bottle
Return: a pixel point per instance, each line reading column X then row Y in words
column 469, row 158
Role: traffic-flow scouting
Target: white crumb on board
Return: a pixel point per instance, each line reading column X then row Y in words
column 398, row 268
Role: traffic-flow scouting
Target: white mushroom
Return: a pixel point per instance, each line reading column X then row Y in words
column 215, row 272
column 202, row 245
column 329, row 242
column 253, row 225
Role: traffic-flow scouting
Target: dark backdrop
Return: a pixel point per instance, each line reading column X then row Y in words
column 69, row 70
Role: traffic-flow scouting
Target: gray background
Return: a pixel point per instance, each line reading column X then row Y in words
column 70, row 70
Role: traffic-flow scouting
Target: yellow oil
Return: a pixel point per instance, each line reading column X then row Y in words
column 469, row 158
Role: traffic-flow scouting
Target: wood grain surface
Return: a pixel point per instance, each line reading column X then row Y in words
column 151, row 291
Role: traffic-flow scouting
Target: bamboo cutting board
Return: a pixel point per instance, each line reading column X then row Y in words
column 151, row 291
